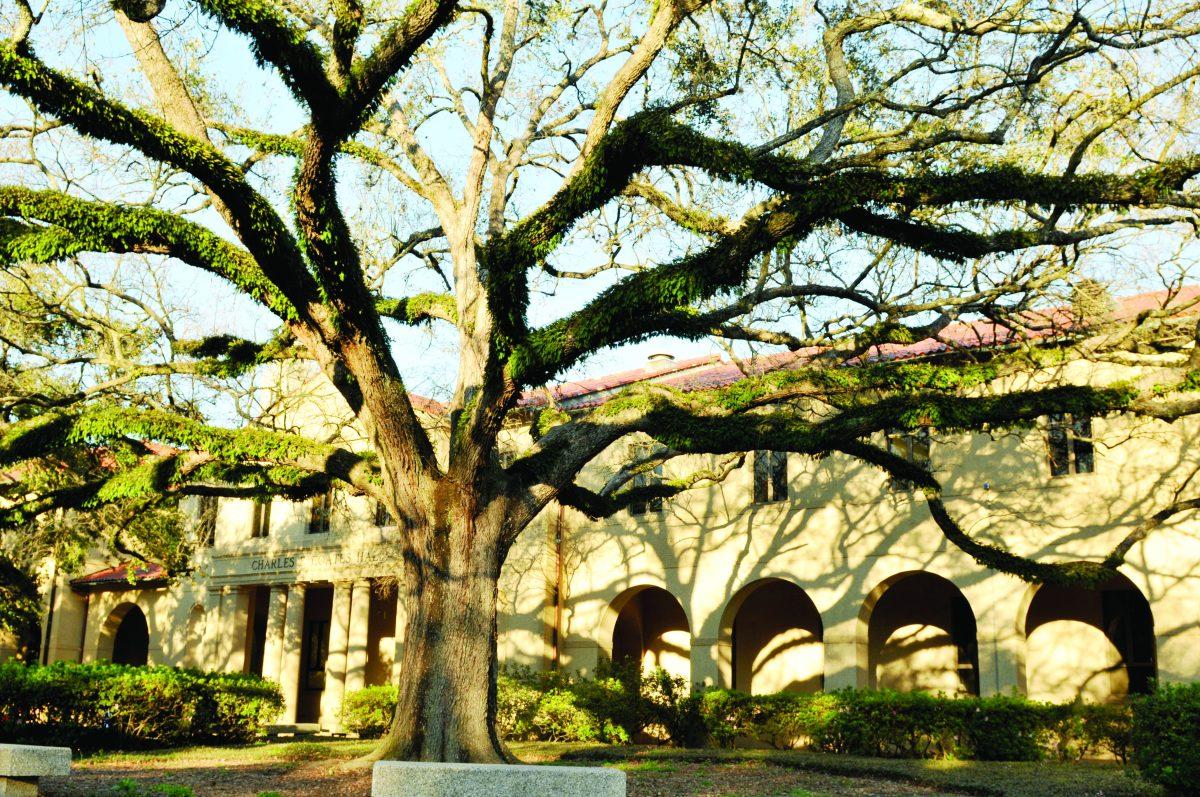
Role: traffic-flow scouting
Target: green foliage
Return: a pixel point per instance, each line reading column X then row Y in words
column 298, row 752
column 127, row 787
column 109, row 706
column 368, row 712
column 1166, row 737
column 917, row 725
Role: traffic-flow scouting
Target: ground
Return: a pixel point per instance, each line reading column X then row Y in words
column 325, row 769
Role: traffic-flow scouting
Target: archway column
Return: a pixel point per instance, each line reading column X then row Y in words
column 356, row 647
column 845, row 657
column 273, row 648
column 207, row 659
column 706, row 670
column 293, row 639
column 234, row 619
column 335, row 662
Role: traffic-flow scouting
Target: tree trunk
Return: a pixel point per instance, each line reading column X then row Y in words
column 446, row 704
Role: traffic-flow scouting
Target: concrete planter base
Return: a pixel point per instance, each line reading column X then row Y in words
column 22, row 764
column 414, row 779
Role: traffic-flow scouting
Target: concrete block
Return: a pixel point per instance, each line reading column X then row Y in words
column 419, row 779
column 33, row 761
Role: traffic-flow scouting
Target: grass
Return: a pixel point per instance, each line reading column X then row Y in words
column 986, row 778
column 989, row 779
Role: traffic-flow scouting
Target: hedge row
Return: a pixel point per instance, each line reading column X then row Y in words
column 1161, row 732
column 93, row 706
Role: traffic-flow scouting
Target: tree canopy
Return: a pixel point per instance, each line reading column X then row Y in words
column 534, row 184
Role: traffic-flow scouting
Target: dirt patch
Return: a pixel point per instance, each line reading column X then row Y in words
column 217, row 779
column 753, row 779
column 212, row 777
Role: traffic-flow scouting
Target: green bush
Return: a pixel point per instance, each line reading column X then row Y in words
column 103, row 705
column 1007, row 728
column 516, row 705
column 1166, row 737
column 368, row 712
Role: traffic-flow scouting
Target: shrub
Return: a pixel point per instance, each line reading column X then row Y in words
column 1166, row 737
column 561, row 718
column 368, row 712
column 674, row 708
column 1008, row 728
column 516, row 705
column 110, row 705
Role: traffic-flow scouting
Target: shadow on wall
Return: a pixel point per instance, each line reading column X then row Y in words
column 1092, row 644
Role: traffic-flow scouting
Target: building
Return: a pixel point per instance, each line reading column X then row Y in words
column 789, row 574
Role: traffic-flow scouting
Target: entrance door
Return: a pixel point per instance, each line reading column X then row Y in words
column 314, row 649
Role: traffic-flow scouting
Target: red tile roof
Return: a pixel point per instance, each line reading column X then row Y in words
column 700, row 373
column 117, row 577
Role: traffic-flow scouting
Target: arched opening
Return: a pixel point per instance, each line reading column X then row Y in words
column 1091, row 644
column 126, row 637
column 775, row 635
column 651, row 628
column 921, row 636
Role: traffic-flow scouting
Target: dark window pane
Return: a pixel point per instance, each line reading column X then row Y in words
column 1058, row 446
column 318, row 518
column 260, row 525
column 1085, row 460
column 919, row 448
column 207, row 521
column 654, row 478
column 762, row 477
column 382, row 516
column 779, row 476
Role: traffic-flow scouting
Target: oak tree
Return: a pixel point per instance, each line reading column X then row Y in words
column 557, row 179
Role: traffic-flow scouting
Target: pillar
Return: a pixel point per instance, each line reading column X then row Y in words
column 845, row 662
column 401, row 628
column 207, row 659
column 235, row 617
column 335, row 663
column 704, row 661
column 289, row 667
column 273, row 649
column 356, row 648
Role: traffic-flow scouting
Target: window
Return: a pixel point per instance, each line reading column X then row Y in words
column 260, row 521
column 206, row 520
column 1069, row 442
column 320, row 512
column 913, row 447
column 770, row 476
column 382, row 516
column 646, row 478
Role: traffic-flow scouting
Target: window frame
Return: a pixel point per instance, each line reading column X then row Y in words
column 320, row 513
column 260, row 518
column 1069, row 439
column 908, row 453
column 769, row 475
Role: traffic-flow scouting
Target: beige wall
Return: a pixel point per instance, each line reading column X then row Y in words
column 832, row 553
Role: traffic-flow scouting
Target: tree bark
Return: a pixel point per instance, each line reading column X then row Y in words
column 446, row 705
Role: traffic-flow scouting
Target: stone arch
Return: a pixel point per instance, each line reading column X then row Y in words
column 774, row 635
column 647, row 624
column 1088, row 644
column 918, row 633
column 125, row 636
